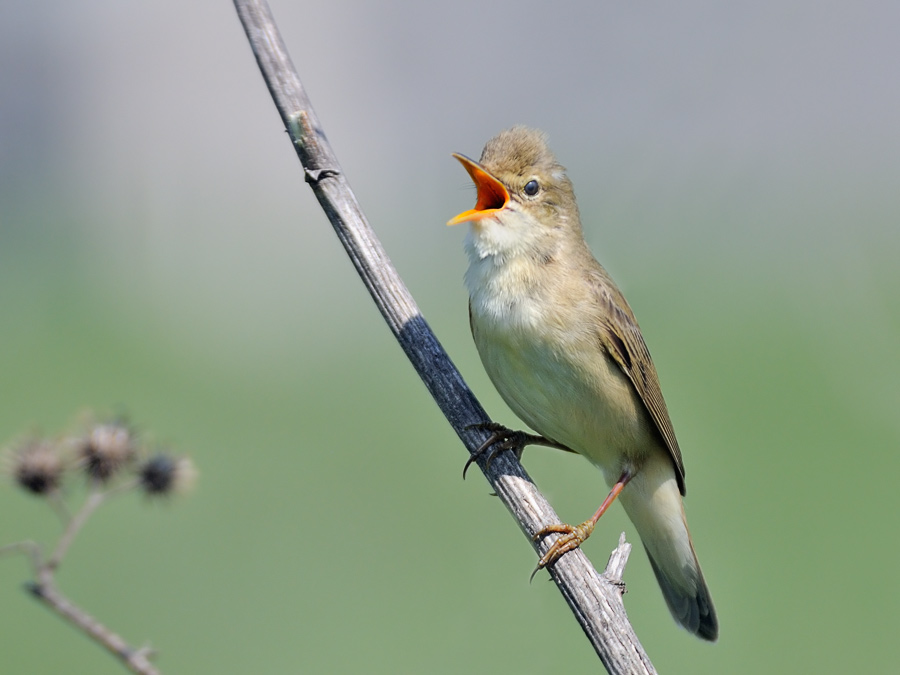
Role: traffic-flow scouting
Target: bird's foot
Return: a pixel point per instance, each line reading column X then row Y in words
column 503, row 438
column 572, row 537
column 575, row 535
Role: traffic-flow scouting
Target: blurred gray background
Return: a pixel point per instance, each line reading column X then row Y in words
column 737, row 169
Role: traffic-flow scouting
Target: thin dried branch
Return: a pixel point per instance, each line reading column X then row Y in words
column 44, row 588
column 594, row 599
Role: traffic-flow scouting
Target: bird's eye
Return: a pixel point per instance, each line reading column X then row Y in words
column 531, row 188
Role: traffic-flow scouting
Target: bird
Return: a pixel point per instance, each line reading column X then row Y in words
column 563, row 349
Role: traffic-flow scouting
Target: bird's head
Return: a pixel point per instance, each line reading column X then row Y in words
column 524, row 196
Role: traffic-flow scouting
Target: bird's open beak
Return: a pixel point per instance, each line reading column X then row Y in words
column 492, row 196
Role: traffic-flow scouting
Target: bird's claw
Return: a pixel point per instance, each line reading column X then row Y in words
column 502, row 438
column 572, row 537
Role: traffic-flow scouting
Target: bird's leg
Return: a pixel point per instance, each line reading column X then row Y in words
column 503, row 438
column 574, row 536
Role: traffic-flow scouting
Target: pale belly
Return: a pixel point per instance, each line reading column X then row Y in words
column 571, row 393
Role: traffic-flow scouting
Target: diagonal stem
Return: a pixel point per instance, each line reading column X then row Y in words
column 45, row 590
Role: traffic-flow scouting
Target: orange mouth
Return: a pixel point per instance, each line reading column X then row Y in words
column 492, row 196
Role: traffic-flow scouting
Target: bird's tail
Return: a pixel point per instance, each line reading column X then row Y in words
column 653, row 502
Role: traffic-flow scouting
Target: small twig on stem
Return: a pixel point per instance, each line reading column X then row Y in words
column 96, row 497
column 596, row 603
column 94, row 500
column 30, row 548
column 59, row 506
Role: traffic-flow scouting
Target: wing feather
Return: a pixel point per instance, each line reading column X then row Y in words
column 621, row 337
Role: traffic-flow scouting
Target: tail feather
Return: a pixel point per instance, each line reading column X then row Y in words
column 692, row 610
column 652, row 501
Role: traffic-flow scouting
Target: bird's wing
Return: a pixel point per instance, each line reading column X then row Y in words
column 622, row 339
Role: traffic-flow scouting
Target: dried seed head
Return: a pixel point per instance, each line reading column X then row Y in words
column 37, row 466
column 164, row 474
column 107, row 449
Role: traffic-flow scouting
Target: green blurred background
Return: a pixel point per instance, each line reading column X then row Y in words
column 737, row 169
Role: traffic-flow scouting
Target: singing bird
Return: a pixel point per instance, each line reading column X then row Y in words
column 564, row 350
